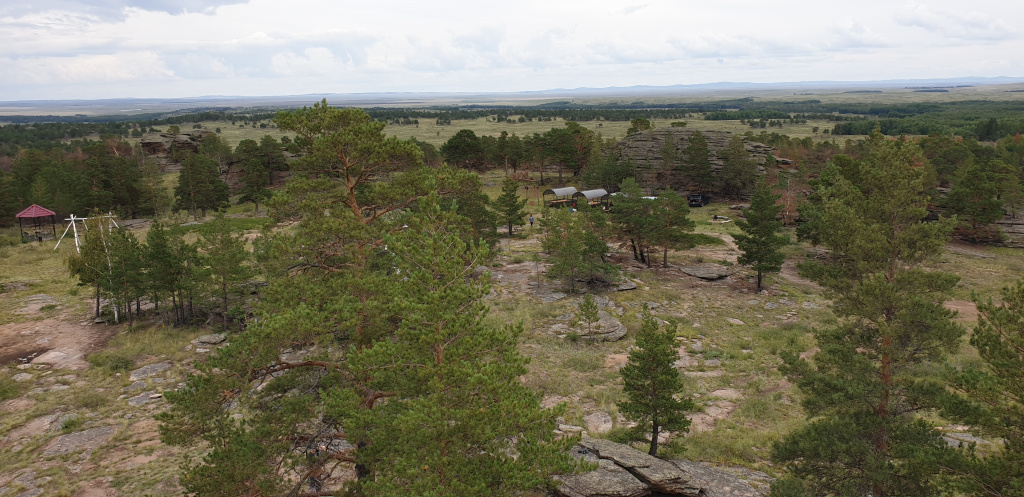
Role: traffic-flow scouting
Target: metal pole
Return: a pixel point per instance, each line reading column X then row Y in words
column 75, row 227
column 65, row 233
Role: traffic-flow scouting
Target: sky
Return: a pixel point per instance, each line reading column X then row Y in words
column 94, row 49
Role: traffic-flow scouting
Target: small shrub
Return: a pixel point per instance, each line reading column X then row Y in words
column 9, row 388
column 89, row 400
column 517, row 260
column 710, row 353
column 47, row 307
column 572, row 336
column 73, row 291
column 112, row 360
column 72, row 425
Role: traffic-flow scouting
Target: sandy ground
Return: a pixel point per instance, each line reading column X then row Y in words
column 53, row 341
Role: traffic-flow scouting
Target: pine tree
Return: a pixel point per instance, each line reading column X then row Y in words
column 698, row 162
column 975, row 199
column 200, row 187
column 90, row 264
column 634, row 220
column 272, row 154
column 255, row 179
column 760, row 241
column 651, row 382
column 160, row 264
column 991, row 398
column 672, row 226
column 228, row 262
column 126, row 278
column 865, row 392
column 575, row 253
column 587, row 314
column 457, row 411
column 509, row 206
column 739, row 171
column 355, row 300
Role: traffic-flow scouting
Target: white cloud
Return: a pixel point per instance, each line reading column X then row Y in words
column 302, row 46
column 956, row 25
column 110, row 68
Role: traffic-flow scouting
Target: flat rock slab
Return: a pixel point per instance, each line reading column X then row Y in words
column 709, row 272
column 134, row 387
column 608, row 328
column 150, row 370
column 142, row 398
column 608, row 480
column 549, row 297
column 21, row 377
column 661, row 476
column 717, row 483
column 626, row 285
column 212, row 339
column 82, row 440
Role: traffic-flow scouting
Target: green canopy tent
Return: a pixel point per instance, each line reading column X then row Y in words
column 37, row 217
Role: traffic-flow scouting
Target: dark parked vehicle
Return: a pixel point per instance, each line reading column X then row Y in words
column 699, row 199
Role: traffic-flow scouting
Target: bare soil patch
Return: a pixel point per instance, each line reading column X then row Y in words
column 52, row 341
column 967, row 311
column 789, row 273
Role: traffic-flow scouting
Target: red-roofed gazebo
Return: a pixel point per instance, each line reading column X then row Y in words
column 37, row 214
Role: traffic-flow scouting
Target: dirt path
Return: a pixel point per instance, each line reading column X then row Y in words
column 730, row 252
column 966, row 310
column 53, row 341
column 790, row 273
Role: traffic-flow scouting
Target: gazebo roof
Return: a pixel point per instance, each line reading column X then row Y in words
column 35, row 211
column 560, row 192
column 592, row 194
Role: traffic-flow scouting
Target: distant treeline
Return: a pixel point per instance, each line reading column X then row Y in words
column 68, row 132
column 983, row 120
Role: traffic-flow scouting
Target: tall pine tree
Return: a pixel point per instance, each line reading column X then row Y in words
column 228, row 262
column 651, row 382
column 866, row 393
column 698, row 162
column 990, row 398
column 509, row 205
column 760, row 241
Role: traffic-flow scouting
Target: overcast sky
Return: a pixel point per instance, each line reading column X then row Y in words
column 56, row 49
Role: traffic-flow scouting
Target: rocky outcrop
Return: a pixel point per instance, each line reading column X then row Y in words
column 1013, row 231
column 626, row 472
column 159, row 145
column 709, row 272
column 646, row 151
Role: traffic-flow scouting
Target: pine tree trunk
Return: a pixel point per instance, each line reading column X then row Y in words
column 664, row 262
column 97, row 298
column 758, row 281
column 654, row 438
column 225, row 287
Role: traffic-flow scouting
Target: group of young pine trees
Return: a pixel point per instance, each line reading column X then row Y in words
column 181, row 280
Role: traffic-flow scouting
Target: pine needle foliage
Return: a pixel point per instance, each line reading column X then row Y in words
column 760, row 241
column 990, row 399
column 652, row 383
column 865, row 393
column 509, row 205
column 369, row 351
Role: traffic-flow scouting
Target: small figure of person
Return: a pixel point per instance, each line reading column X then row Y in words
column 531, row 220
